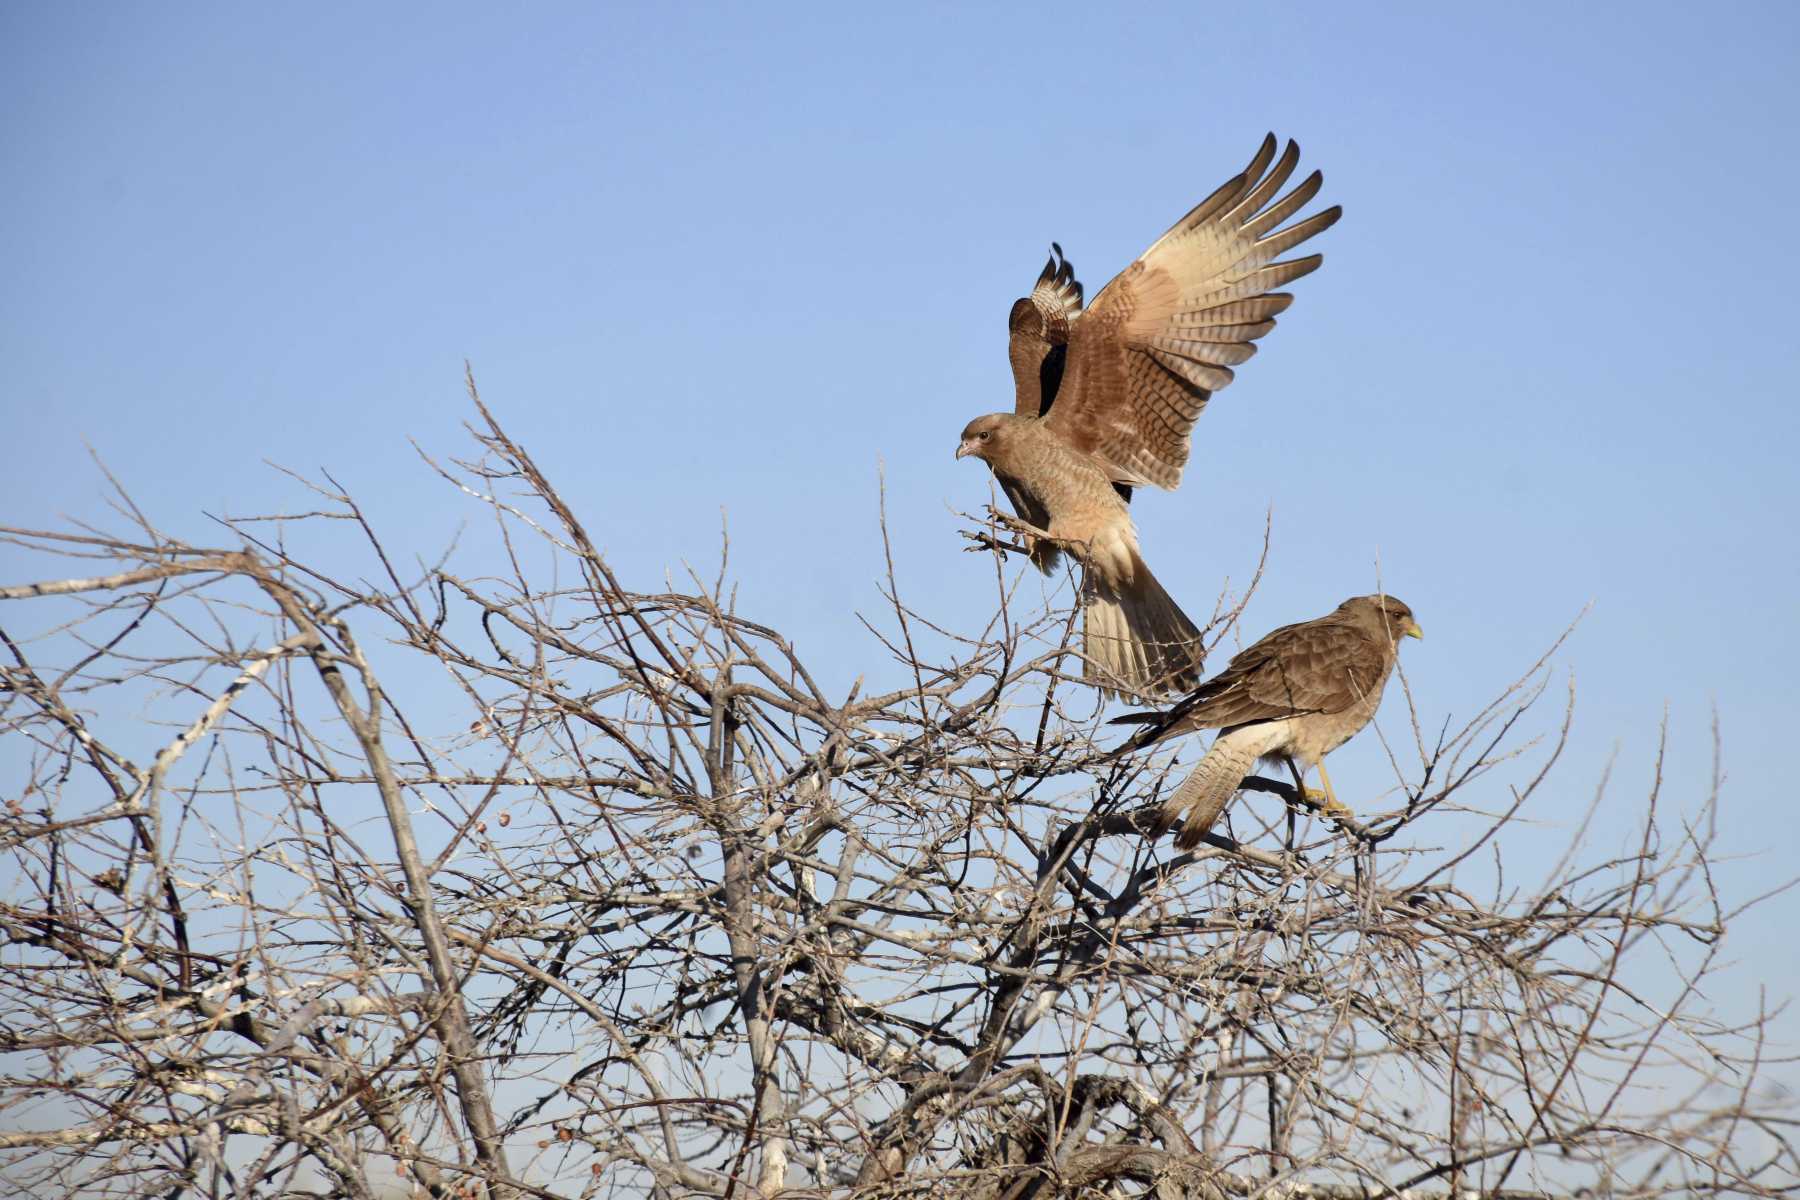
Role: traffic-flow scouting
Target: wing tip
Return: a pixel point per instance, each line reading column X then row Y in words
column 1058, row 280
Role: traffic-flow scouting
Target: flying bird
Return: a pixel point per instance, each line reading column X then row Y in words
column 1295, row 696
column 1106, row 396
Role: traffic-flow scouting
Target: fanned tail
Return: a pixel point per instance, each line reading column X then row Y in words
column 1137, row 639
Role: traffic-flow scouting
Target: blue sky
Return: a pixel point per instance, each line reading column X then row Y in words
column 741, row 259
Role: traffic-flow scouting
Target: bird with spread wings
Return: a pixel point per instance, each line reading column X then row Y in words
column 1294, row 696
column 1107, row 395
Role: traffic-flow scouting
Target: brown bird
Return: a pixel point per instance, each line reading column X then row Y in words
column 1107, row 396
column 1293, row 697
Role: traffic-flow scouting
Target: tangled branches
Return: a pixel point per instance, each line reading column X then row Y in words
column 662, row 917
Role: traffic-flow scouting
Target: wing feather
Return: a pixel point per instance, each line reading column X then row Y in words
column 1261, row 310
column 1287, row 206
column 1275, row 244
column 1219, row 353
column 1206, row 331
column 1270, row 184
column 1319, row 666
column 1038, row 334
column 1255, row 283
column 1163, row 335
column 1197, row 371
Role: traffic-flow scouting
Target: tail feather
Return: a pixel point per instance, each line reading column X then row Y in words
column 1202, row 796
column 1137, row 639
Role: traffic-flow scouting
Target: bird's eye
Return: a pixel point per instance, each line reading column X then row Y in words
column 985, row 435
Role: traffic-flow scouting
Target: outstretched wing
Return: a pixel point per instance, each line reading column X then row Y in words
column 1162, row 337
column 1039, row 334
column 1320, row 666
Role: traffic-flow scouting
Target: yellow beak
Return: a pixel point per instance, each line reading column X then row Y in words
column 1413, row 630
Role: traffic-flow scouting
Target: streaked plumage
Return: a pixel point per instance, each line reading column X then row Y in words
column 1105, row 398
column 1296, row 695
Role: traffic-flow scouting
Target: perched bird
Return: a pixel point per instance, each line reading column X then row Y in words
column 1105, row 398
column 1295, row 696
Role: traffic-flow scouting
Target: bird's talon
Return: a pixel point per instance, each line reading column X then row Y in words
column 1327, row 804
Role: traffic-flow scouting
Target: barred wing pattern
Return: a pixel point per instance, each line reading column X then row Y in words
column 1038, row 330
column 1320, row 666
column 1146, row 355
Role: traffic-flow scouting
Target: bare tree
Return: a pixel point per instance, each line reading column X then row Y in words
column 463, row 886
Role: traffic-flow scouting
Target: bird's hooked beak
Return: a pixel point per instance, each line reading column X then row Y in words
column 965, row 448
column 1412, row 630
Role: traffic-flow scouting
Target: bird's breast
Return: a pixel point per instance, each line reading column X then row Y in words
column 1066, row 479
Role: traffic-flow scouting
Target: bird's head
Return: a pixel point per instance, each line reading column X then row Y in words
column 1387, row 613
column 984, row 436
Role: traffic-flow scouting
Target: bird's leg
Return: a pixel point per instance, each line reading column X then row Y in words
column 1309, row 796
column 1028, row 534
column 1018, row 525
column 1324, row 800
column 1293, row 817
column 1332, row 806
column 983, row 541
column 1033, row 533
